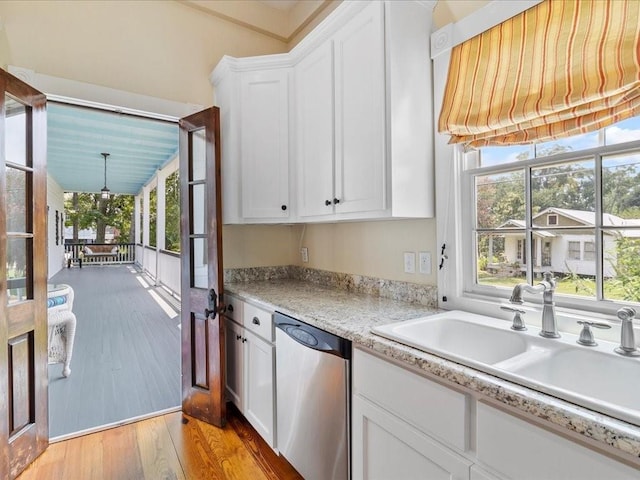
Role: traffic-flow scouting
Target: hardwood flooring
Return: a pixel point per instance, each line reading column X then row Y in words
column 172, row 446
column 126, row 358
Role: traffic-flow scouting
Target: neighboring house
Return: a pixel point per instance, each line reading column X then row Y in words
column 571, row 250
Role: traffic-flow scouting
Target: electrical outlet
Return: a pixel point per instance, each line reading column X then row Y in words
column 304, row 253
column 425, row 263
column 409, row 262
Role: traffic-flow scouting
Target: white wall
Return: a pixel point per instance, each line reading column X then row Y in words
column 55, row 201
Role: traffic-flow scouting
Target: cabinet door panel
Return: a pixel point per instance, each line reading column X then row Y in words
column 386, row 447
column 505, row 443
column 235, row 359
column 360, row 112
column 265, row 144
column 258, row 385
column 314, row 130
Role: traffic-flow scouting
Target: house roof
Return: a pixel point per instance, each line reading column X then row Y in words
column 589, row 218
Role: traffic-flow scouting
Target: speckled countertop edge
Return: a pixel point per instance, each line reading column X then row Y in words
column 352, row 315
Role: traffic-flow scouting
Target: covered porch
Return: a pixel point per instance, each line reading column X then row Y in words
column 126, row 358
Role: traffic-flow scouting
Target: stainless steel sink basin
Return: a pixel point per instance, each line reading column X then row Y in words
column 593, row 377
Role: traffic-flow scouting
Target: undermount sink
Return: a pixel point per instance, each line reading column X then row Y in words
column 593, row 377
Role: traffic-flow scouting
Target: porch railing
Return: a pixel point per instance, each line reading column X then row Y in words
column 126, row 253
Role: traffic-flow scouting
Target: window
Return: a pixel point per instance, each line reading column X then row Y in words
column 153, row 216
column 172, row 212
column 573, row 251
column 589, row 251
column 578, row 198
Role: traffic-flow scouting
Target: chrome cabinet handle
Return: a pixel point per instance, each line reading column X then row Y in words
column 256, row 321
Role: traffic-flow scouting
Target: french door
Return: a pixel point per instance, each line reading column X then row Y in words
column 24, row 430
column 202, row 280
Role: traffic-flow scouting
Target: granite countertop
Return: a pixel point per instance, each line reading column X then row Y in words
column 352, row 315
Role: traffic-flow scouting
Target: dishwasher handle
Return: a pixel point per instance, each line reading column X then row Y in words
column 313, row 337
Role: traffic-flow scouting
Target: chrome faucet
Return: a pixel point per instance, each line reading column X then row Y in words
column 627, row 339
column 547, row 286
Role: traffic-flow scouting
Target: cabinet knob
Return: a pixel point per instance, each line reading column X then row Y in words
column 244, row 340
column 230, row 308
column 283, row 207
column 327, row 202
column 238, row 337
column 336, row 201
column 256, row 321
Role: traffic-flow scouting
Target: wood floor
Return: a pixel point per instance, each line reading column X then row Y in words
column 126, row 359
column 172, row 446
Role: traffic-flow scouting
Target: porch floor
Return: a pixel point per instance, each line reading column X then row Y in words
column 126, row 357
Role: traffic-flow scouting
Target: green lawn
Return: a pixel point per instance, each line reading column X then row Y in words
column 569, row 286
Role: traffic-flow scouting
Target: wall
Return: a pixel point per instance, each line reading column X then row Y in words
column 168, row 50
column 159, row 48
column 162, row 49
column 55, row 201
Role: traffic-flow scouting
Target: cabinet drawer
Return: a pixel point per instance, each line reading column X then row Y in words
column 258, row 321
column 234, row 308
column 428, row 406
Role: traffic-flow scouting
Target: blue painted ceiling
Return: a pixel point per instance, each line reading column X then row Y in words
column 77, row 136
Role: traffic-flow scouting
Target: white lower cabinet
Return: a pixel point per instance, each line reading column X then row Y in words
column 520, row 449
column 250, row 369
column 407, row 426
column 385, row 447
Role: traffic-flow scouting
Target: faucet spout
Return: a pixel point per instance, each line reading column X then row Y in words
column 547, row 287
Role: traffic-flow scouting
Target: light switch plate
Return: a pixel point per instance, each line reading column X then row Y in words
column 425, row 263
column 409, row 262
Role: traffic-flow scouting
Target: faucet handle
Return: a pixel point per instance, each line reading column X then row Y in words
column 586, row 335
column 518, row 322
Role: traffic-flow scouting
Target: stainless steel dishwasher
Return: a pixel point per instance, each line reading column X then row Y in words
column 313, row 399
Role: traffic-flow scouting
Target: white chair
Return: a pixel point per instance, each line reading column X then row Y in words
column 62, row 325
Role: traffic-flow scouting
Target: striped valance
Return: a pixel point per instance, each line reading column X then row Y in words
column 558, row 69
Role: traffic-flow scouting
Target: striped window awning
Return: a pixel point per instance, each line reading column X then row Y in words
column 558, row 69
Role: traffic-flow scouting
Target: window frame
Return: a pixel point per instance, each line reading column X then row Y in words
column 468, row 288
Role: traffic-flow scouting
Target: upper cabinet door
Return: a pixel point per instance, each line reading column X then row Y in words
column 360, row 112
column 264, row 144
column 314, row 132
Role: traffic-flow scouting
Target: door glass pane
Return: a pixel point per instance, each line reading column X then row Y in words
column 501, row 258
column 17, row 200
column 18, row 269
column 622, row 264
column 15, row 125
column 198, row 209
column 198, row 155
column 199, row 261
column 563, row 195
column 500, row 200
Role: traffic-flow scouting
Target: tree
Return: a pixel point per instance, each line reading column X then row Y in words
column 172, row 212
column 89, row 210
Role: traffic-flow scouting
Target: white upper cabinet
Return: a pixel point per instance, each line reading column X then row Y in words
column 359, row 141
column 264, row 144
column 360, row 113
column 255, row 134
column 314, row 132
column 363, row 123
